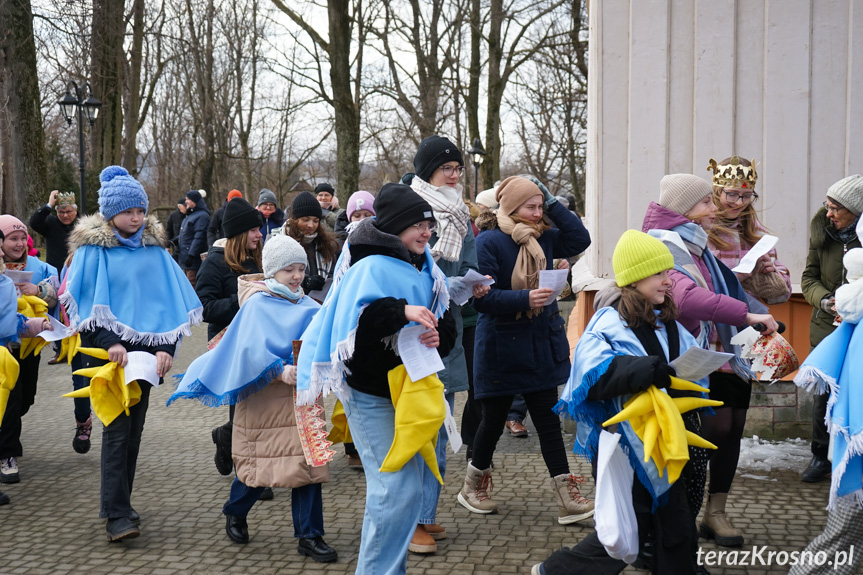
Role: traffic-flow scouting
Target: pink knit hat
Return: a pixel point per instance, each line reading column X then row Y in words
column 9, row 224
column 361, row 200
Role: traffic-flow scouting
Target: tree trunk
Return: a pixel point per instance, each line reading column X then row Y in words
column 133, row 89
column 23, row 172
column 106, row 71
column 491, row 164
column 347, row 113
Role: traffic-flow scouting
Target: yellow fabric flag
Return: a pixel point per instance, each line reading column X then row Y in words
column 8, row 377
column 32, row 306
column 420, row 412
column 340, row 431
column 69, row 347
column 109, row 395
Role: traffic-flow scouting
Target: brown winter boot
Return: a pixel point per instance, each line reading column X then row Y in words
column 571, row 505
column 474, row 494
column 715, row 524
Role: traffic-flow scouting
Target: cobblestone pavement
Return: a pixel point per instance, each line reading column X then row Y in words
column 52, row 525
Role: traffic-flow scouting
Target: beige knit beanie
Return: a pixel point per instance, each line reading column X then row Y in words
column 848, row 193
column 514, row 191
column 680, row 192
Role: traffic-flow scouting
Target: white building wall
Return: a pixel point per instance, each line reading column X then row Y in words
column 676, row 82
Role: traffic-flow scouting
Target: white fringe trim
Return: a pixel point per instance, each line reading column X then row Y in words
column 813, row 379
column 441, row 300
column 101, row 316
column 855, row 449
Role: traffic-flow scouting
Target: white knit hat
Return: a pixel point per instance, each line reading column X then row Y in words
column 486, row 198
column 280, row 251
column 848, row 192
column 680, row 192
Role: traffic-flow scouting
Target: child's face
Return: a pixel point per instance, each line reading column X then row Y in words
column 291, row 277
column 655, row 288
column 129, row 222
column 416, row 237
column 360, row 215
column 531, row 210
column 308, row 225
column 703, row 213
column 15, row 246
column 255, row 236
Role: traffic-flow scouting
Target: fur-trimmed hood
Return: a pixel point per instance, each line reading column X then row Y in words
column 96, row 231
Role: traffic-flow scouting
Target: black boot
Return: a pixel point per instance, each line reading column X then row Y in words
column 317, row 549
column 819, row 468
column 237, row 529
column 223, row 459
column 121, row 528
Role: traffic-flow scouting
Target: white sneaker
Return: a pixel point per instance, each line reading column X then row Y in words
column 9, row 471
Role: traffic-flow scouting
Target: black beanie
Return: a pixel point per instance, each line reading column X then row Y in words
column 239, row 217
column 194, row 195
column 306, row 205
column 182, row 200
column 432, row 153
column 397, row 207
column 324, row 187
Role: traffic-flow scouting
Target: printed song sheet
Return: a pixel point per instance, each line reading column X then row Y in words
column 141, row 365
column 696, row 363
column 764, row 245
column 420, row 361
column 57, row 332
column 459, row 295
column 554, row 279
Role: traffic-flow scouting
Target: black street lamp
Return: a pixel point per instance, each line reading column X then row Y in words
column 69, row 105
column 476, row 153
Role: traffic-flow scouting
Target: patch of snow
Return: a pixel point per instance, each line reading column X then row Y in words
column 757, row 477
column 763, row 455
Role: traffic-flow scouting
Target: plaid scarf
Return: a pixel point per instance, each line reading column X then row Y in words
column 452, row 215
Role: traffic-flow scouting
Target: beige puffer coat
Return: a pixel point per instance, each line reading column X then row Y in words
column 266, row 445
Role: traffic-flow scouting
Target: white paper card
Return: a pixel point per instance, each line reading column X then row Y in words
column 554, row 279
column 59, row 332
column 19, row 277
column 420, row 361
column 451, row 427
column 141, row 365
column 459, row 295
column 697, row 363
column 764, row 245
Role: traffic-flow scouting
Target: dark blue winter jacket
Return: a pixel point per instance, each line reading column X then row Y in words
column 193, row 236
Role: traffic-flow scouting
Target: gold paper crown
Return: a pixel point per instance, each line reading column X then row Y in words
column 65, row 199
column 733, row 174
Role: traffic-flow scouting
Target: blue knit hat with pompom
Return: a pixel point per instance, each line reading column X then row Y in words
column 120, row 192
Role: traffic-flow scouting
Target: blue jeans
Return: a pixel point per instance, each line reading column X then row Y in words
column 393, row 499
column 431, row 486
column 82, row 404
column 518, row 409
column 307, row 506
column 121, row 441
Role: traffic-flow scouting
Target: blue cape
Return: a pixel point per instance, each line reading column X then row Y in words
column 328, row 342
column 254, row 349
column 832, row 365
column 141, row 294
column 11, row 322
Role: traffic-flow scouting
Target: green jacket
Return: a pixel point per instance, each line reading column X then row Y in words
column 824, row 272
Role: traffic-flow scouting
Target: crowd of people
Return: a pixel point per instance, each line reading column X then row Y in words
column 341, row 290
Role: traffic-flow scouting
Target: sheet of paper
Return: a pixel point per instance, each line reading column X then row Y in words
column 141, row 365
column 420, row 361
column 319, row 295
column 58, row 331
column 451, row 428
column 19, row 277
column 459, row 295
column 764, row 245
column 554, row 279
column 696, row 363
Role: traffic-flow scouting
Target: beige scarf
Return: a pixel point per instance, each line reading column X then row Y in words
column 530, row 260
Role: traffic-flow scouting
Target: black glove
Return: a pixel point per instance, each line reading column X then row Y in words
column 313, row 283
column 662, row 375
column 189, row 262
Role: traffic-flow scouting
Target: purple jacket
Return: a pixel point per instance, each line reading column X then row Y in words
column 695, row 303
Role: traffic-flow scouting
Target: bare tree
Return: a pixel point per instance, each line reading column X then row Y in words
column 106, row 77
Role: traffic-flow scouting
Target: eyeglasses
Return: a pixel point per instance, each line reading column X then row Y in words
column 424, row 226
column 448, row 170
column 734, row 196
column 832, row 208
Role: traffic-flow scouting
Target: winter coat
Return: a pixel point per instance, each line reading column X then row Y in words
column 340, row 229
column 172, row 228
column 695, row 303
column 193, row 236
column 454, row 375
column 266, row 443
column 56, row 234
column 526, row 354
column 214, row 229
column 275, row 221
column 823, row 273
column 216, row 287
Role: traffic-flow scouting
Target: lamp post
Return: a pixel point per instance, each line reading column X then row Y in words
column 69, row 105
column 476, row 152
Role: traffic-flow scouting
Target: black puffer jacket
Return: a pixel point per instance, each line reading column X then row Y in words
column 216, row 287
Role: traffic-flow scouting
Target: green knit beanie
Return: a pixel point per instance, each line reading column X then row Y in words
column 637, row 256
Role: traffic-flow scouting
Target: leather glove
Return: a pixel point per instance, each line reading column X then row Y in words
column 662, row 375
column 313, row 283
column 189, row 262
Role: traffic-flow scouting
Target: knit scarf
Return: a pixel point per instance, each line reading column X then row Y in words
column 452, row 215
column 530, row 259
column 133, row 241
column 274, row 286
column 684, row 242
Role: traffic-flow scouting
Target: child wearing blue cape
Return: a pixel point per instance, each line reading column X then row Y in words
column 124, row 293
column 252, row 368
column 625, row 349
column 42, row 284
column 349, row 348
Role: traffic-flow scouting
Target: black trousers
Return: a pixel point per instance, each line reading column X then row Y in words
column 21, row 398
column 820, row 437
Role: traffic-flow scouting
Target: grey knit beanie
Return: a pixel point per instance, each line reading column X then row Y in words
column 280, row 251
column 848, row 192
column 267, row 196
column 680, row 192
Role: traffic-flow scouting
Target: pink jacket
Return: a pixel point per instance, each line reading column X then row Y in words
column 695, row 303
